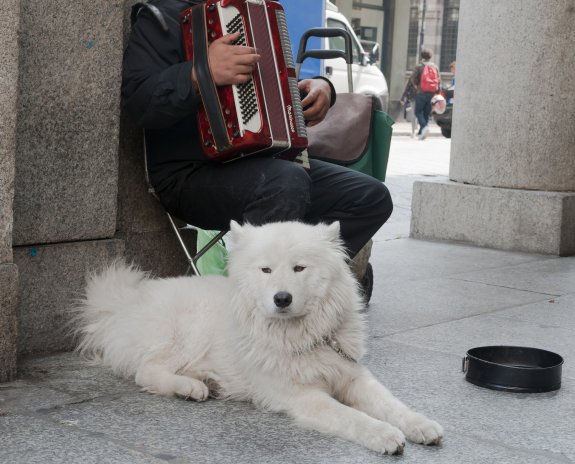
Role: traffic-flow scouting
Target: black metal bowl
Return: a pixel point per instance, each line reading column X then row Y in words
column 513, row 368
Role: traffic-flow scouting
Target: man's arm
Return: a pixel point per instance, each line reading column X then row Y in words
column 157, row 86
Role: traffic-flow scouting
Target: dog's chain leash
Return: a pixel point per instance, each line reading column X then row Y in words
column 329, row 340
column 334, row 345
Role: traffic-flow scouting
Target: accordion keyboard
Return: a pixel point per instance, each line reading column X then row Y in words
column 245, row 94
column 262, row 116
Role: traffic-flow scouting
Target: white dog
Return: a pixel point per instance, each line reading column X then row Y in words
column 284, row 331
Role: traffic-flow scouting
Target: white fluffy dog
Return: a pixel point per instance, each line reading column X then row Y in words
column 284, row 331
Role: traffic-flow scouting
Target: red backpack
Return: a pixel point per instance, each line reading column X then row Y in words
column 429, row 79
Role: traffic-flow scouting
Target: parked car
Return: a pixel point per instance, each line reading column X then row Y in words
column 444, row 120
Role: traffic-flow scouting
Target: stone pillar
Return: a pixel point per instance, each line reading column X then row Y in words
column 512, row 171
column 80, row 198
column 9, row 21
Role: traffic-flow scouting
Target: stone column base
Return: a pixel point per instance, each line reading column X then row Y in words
column 507, row 219
column 52, row 278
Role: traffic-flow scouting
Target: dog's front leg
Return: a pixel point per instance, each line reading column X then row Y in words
column 367, row 394
column 155, row 378
column 317, row 410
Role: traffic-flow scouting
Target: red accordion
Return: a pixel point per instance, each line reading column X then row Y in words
column 263, row 116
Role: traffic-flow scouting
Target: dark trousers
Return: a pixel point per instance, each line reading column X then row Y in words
column 261, row 190
column 423, row 108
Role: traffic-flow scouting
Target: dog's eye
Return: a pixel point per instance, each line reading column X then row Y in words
column 298, row 268
column 266, row 270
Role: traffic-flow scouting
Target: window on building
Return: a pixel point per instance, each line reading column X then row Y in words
column 412, row 49
column 449, row 33
column 369, row 33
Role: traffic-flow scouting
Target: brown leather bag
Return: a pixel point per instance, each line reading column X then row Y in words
column 343, row 137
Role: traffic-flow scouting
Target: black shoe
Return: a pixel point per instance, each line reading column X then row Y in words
column 366, row 285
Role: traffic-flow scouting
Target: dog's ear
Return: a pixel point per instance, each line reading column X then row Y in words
column 235, row 227
column 237, row 230
column 332, row 232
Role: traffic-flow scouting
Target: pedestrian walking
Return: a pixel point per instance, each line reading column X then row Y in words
column 427, row 81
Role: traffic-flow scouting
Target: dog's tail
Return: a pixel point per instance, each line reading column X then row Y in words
column 107, row 293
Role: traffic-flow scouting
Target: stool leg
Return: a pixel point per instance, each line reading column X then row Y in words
column 191, row 260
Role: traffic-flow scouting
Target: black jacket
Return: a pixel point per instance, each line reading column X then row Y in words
column 157, row 91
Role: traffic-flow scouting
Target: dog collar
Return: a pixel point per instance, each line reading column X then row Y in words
column 334, row 345
column 329, row 340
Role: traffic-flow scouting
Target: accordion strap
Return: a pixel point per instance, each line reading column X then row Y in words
column 154, row 11
column 206, row 84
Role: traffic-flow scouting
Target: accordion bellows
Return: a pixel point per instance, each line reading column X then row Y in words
column 263, row 116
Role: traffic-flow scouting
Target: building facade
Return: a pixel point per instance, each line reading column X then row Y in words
column 402, row 28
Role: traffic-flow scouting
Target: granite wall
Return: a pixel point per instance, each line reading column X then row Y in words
column 72, row 191
column 68, row 125
column 9, row 23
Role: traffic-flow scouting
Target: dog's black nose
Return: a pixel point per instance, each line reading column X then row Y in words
column 282, row 299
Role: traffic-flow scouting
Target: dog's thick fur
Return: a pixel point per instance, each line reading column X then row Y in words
column 243, row 335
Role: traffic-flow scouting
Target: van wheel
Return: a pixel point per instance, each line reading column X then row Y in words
column 446, row 132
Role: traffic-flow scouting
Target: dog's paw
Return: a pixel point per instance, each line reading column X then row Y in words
column 191, row 389
column 213, row 387
column 420, row 429
column 386, row 439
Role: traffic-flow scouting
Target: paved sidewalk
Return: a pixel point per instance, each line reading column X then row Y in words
column 402, row 127
column 431, row 303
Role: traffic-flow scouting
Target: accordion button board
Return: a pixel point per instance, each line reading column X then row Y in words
column 263, row 116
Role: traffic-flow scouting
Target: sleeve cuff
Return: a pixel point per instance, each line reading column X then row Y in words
column 333, row 92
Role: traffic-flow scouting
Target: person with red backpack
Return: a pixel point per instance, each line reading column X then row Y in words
column 427, row 80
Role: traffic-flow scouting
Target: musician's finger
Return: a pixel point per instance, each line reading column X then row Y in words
column 228, row 39
column 310, row 99
column 314, row 115
column 244, row 69
column 310, row 114
column 316, row 107
column 243, row 50
column 247, row 60
column 242, row 78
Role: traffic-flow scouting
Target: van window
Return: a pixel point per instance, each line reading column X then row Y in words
column 338, row 43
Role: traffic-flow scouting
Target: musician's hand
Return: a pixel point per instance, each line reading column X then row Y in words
column 317, row 100
column 229, row 63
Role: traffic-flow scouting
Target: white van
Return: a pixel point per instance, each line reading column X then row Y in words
column 367, row 77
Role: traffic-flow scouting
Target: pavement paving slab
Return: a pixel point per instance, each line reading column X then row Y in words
column 431, row 381
column 431, row 303
column 553, row 276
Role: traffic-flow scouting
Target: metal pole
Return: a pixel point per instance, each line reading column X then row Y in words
column 387, row 42
column 422, row 30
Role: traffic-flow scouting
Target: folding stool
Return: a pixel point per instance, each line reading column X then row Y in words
column 179, row 226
